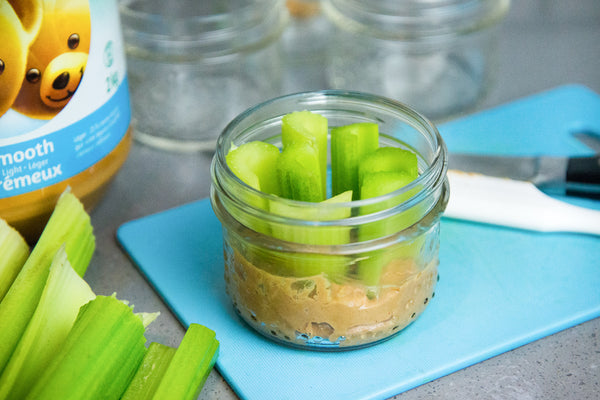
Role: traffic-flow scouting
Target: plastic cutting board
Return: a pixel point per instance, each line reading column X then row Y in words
column 499, row 288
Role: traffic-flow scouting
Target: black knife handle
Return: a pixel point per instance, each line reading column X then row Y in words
column 584, row 170
column 583, row 176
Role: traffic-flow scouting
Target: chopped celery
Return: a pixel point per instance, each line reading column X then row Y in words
column 64, row 293
column 190, row 366
column 254, row 164
column 14, row 250
column 307, row 127
column 150, row 373
column 69, row 225
column 388, row 159
column 310, row 264
column 349, row 145
column 100, row 356
column 377, row 184
column 299, row 173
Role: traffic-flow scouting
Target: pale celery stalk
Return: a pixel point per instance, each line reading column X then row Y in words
column 65, row 292
column 69, row 225
column 190, row 366
column 307, row 127
column 14, row 250
column 309, row 264
column 349, row 145
column 100, row 356
column 150, row 373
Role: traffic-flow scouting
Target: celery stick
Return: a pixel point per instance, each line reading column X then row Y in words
column 190, row 366
column 14, row 250
column 310, row 264
column 69, row 225
column 306, row 127
column 150, row 373
column 299, row 173
column 100, row 356
column 349, row 145
column 388, row 159
column 65, row 292
column 377, row 184
column 254, row 164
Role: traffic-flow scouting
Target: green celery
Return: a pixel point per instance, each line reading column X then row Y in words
column 349, row 145
column 64, row 293
column 150, row 373
column 187, row 372
column 310, row 264
column 301, row 127
column 69, row 225
column 254, row 164
column 100, row 356
column 14, row 250
column 299, row 173
column 392, row 159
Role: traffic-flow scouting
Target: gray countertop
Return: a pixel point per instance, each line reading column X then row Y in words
column 543, row 44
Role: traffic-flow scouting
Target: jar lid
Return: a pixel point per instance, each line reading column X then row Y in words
column 191, row 30
column 415, row 19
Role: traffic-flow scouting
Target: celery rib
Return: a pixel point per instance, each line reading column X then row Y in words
column 69, row 225
column 14, row 250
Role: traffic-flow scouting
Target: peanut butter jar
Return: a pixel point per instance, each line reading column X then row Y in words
column 64, row 106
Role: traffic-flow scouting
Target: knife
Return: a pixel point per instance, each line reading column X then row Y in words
column 575, row 176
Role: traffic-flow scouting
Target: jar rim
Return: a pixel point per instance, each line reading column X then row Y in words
column 413, row 20
column 245, row 27
column 431, row 178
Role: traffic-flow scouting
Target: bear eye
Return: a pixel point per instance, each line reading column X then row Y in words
column 1, row 66
column 73, row 41
column 33, row 75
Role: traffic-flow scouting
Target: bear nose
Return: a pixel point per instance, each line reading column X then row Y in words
column 61, row 81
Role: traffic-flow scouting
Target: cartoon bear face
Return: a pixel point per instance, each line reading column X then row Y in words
column 56, row 60
column 19, row 25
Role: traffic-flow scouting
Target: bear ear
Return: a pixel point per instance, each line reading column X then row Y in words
column 30, row 15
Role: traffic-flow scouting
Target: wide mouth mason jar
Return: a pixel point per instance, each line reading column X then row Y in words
column 439, row 56
column 377, row 271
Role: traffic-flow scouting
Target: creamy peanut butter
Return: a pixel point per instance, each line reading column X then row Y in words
column 315, row 310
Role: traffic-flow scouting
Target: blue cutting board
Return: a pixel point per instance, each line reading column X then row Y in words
column 499, row 288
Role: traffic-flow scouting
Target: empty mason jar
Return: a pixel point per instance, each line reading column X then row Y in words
column 436, row 55
column 194, row 65
column 378, row 271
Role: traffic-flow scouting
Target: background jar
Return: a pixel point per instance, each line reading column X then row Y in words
column 378, row 271
column 194, row 65
column 436, row 55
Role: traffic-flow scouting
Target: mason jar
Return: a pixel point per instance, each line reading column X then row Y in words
column 378, row 271
column 195, row 65
column 439, row 56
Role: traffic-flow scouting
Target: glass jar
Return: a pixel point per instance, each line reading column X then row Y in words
column 378, row 271
column 436, row 55
column 194, row 65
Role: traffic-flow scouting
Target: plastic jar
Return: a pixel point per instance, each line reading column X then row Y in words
column 194, row 65
column 362, row 288
column 64, row 106
column 436, row 55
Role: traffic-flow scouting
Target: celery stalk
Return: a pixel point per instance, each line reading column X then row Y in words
column 254, row 164
column 299, row 173
column 349, row 145
column 392, row 159
column 301, row 127
column 100, row 356
column 69, row 225
column 65, row 292
column 190, row 366
column 150, row 373
column 14, row 250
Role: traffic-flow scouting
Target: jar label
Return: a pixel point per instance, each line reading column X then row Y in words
column 64, row 101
